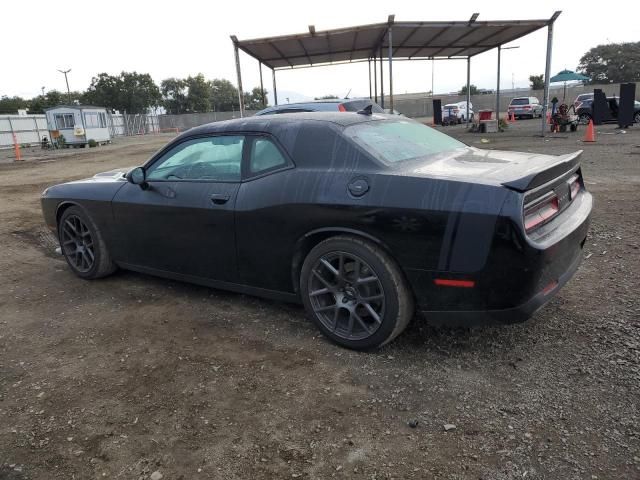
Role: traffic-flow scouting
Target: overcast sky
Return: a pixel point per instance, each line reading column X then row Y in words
column 186, row 37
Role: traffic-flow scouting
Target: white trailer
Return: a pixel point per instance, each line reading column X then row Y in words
column 78, row 124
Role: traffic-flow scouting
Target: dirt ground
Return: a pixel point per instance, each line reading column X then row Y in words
column 134, row 377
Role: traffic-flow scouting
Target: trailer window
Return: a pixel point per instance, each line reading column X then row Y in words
column 64, row 120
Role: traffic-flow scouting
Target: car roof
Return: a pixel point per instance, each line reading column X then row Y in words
column 264, row 123
column 322, row 100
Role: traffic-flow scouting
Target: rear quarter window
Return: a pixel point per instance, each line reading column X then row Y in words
column 396, row 141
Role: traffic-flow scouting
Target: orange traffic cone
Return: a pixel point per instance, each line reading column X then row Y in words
column 590, row 133
column 548, row 117
column 507, row 117
column 513, row 116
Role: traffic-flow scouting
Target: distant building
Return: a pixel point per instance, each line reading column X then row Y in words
column 78, row 124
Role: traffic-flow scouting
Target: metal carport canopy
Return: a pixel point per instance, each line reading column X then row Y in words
column 389, row 40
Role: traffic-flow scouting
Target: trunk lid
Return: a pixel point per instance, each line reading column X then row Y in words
column 518, row 171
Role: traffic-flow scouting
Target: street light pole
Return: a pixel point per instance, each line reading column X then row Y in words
column 67, row 81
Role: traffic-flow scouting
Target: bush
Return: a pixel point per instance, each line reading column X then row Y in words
column 61, row 141
column 502, row 124
column 92, row 143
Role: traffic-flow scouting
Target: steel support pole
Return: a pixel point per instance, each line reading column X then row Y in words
column 498, row 86
column 468, row 88
column 370, row 92
column 375, row 77
column 264, row 100
column 240, row 95
column 390, row 69
column 547, row 73
column 275, row 90
column 381, row 81
column 68, row 91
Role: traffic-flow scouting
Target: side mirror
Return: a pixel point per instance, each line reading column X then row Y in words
column 137, row 176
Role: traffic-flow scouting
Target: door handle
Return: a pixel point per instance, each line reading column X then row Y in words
column 220, row 198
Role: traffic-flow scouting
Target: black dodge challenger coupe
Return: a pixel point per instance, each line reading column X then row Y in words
column 364, row 217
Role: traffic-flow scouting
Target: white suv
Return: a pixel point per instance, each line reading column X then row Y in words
column 458, row 110
column 525, row 107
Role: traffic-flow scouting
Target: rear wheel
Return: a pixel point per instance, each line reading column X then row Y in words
column 83, row 246
column 584, row 118
column 636, row 117
column 355, row 293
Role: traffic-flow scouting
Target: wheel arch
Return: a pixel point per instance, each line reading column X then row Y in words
column 312, row 238
column 62, row 206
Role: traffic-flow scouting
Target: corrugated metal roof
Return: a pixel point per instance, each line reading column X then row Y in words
column 410, row 40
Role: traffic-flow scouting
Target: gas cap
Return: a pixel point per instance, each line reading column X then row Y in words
column 358, row 187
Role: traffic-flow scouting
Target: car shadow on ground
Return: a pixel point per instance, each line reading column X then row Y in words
column 420, row 338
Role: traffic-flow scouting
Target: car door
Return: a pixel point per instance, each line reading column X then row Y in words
column 183, row 221
column 264, row 223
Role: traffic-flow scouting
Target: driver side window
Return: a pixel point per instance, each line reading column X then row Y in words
column 209, row 159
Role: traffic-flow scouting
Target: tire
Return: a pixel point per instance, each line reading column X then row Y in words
column 636, row 118
column 584, row 118
column 342, row 305
column 83, row 246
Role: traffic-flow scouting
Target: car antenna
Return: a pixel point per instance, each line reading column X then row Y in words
column 347, row 95
column 366, row 110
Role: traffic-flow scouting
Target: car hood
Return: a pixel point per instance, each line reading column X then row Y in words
column 516, row 170
column 115, row 175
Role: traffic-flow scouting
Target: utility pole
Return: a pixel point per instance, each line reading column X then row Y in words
column 42, row 88
column 67, row 81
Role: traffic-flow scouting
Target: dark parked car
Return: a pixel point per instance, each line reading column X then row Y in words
column 584, row 110
column 363, row 218
column 326, row 105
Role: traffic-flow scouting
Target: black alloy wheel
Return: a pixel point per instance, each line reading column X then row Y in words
column 82, row 244
column 355, row 292
column 77, row 244
column 346, row 295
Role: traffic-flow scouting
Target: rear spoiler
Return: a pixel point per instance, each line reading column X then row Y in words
column 564, row 164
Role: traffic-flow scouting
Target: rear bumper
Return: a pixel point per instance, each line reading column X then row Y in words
column 516, row 314
column 518, row 278
column 519, row 112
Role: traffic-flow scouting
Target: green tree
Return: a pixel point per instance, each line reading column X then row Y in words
column 537, row 82
column 139, row 92
column 472, row 88
column 10, row 105
column 130, row 91
column 53, row 98
column 612, row 63
column 199, row 94
column 174, row 95
column 224, row 96
column 254, row 101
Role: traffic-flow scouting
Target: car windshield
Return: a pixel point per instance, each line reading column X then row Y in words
column 393, row 141
column 520, row 101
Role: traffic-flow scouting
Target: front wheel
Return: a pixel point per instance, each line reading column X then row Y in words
column 636, row 117
column 355, row 293
column 83, row 246
column 584, row 118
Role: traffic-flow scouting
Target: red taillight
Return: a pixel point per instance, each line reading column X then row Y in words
column 341, row 108
column 541, row 212
column 447, row 282
column 574, row 186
